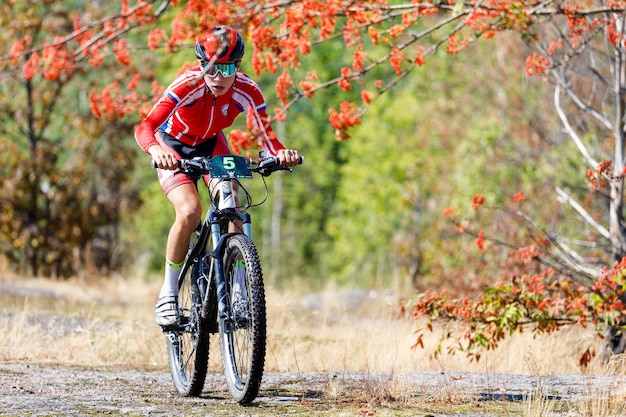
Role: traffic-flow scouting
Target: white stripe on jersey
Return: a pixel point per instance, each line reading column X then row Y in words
column 247, row 80
column 191, row 96
column 247, row 103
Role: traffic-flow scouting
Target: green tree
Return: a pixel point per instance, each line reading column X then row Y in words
column 585, row 65
column 64, row 176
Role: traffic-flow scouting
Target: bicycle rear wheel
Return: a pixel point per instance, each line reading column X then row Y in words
column 243, row 333
column 188, row 344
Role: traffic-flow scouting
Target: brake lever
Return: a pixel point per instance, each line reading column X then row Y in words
column 269, row 165
column 198, row 163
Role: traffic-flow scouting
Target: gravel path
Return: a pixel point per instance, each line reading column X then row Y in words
column 42, row 390
column 56, row 390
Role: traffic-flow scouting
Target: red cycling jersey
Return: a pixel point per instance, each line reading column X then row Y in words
column 191, row 114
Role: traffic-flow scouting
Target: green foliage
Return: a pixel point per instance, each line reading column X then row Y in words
column 431, row 145
column 65, row 173
column 368, row 211
column 545, row 302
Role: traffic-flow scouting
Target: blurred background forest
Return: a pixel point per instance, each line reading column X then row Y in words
column 79, row 197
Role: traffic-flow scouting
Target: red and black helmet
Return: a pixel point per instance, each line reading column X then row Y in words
column 207, row 45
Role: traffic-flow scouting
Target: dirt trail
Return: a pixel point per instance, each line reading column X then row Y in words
column 46, row 390
column 40, row 389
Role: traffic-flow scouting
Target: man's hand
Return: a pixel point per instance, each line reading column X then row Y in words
column 163, row 158
column 288, row 157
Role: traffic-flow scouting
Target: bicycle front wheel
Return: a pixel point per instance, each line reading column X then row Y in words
column 188, row 343
column 243, row 332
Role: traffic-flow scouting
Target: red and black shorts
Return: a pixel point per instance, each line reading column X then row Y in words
column 172, row 179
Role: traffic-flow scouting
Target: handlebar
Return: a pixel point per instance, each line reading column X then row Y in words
column 201, row 165
column 195, row 164
column 268, row 165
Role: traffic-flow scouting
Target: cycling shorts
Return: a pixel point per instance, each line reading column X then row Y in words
column 171, row 179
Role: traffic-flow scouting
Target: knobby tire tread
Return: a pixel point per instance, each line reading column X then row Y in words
column 258, row 330
column 190, row 384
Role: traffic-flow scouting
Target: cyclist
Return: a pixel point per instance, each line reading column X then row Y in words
column 186, row 122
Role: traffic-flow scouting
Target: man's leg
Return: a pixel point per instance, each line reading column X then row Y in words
column 188, row 210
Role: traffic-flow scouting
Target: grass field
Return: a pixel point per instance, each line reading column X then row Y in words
column 110, row 324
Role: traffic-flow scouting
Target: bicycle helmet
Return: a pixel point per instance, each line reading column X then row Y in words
column 225, row 37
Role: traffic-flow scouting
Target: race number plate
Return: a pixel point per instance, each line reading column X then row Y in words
column 229, row 166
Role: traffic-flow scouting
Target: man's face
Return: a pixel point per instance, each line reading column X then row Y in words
column 220, row 77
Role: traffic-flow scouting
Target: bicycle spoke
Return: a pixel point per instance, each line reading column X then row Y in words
column 188, row 347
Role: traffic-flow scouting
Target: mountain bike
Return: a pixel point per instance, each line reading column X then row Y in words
column 221, row 285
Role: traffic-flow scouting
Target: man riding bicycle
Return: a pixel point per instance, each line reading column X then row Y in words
column 186, row 122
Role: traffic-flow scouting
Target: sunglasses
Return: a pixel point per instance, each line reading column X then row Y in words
column 227, row 70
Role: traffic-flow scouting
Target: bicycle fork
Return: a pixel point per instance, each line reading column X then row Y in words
column 226, row 203
column 223, row 306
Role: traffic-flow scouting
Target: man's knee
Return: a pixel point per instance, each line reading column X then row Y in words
column 189, row 214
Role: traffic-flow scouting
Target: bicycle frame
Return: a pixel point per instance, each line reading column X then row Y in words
column 222, row 211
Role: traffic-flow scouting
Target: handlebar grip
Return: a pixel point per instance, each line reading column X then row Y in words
column 274, row 160
column 153, row 164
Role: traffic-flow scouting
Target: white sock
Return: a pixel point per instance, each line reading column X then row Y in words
column 170, row 283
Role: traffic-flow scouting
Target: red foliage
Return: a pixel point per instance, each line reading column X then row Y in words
column 156, row 37
column 18, row 49
column 602, row 171
column 519, row 197
column 365, row 95
column 537, row 64
column 544, row 301
column 240, row 140
column 477, row 201
column 347, row 117
column 120, row 49
column 283, row 86
column 480, row 242
column 111, row 103
column 344, row 82
column 31, row 67
column 359, row 55
column 396, row 58
column 280, row 34
column 419, row 57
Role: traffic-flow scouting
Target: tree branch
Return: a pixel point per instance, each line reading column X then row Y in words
column 590, row 220
column 570, row 130
column 573, row 259
column 97, row 38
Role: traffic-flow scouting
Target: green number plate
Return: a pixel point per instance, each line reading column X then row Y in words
column 229, row 166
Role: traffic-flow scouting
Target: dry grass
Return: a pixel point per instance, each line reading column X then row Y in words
column 110, row 323
column 71, row 322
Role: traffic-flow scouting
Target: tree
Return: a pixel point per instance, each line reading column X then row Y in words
column 579, row 47
column 581, row 54
column 64, row 172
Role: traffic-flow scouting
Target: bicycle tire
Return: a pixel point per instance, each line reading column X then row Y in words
column 188, row 344
column 243, row 334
